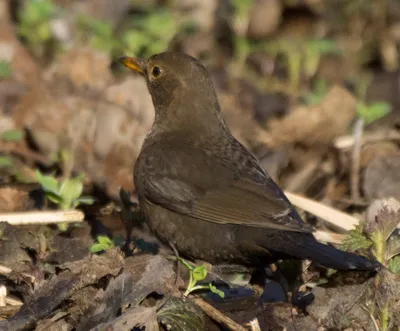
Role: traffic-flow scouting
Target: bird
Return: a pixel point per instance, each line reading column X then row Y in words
column 200, row 190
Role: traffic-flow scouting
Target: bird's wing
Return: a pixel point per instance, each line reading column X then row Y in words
column 191, row 183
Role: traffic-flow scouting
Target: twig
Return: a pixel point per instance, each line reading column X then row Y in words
column 21, row 150
column 5, row 271
column 355, row 165
column 374, row 322
column 254, row 325
column 329, row 237
column 217, row 316
column 13, row 302
column 298, row 181
column 3, row 295
column 348, row 141
column 329, row 214
column 42, row 217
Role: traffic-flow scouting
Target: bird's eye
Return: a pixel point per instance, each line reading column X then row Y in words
column 156, row 71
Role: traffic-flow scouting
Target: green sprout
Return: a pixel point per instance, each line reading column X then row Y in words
column 104, row 243
column 312, row 52
column 146, row 34
column 34, row 26
column 5, row 69
column 242, row 7
column 12, row 135
column 197, row 274
column 381, row 236
column 370, row 113
column 151, row 34
column 319, row 91
column 302, row 57
column 100, row 33
column 65, row 193
column 5, row 162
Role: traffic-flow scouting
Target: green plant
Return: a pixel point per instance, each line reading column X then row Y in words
column 242, row 7
column 197, row 274
column 5, row 162
column 5, row 69
column 147, row 34
column 370, row 113
column 319, row 91
column 241, row 16
column 302, row 57
column 12, row 135
column 34, row 22
column 65, row 193
column 103, row 243
column 381, row 236
column 312, row 52
column 99, row 33
column 150, row 34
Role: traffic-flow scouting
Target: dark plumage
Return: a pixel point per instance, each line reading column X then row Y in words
column 201, row 190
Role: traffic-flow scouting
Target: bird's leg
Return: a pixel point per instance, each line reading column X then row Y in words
column 178, row 269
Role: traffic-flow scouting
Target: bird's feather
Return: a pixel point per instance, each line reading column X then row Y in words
column 230, row 198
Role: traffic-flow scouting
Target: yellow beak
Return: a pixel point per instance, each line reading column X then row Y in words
column 135, row 64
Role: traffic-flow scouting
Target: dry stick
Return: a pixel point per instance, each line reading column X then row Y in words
column 21, row 150
column 217, row 316
column 348, row 141
column 254, row 325
column 329, row 214
column 356, row 155
column 42, row 217
column 298, row 181
column 5, row 271
column 329, row 237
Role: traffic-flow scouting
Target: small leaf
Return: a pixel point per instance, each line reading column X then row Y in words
column 331, row 272
column 181, row 315
column 319, row 91
column 355, row 240
column 54, row 197
column 5, row 69
column 385, row 220
column 5, row 161
column 394, row 265
column 372, row 113
column 86, row 200
column 62, row 226
column 199, row 273
column 105, row 241
column 48, row 183
column 216, row 291
column 70, row 190
column 393, row 246
column 12, row 135
column 96, row 247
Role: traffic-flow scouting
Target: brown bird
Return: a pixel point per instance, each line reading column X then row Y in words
column 203, row 191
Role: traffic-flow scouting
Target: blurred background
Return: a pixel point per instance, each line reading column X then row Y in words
column 310, row 86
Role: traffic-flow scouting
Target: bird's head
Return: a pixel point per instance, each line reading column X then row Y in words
column 180, row 87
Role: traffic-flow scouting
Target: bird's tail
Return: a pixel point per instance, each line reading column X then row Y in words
column 331, row 257
column 305, row 246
